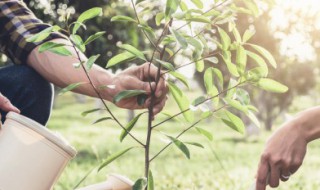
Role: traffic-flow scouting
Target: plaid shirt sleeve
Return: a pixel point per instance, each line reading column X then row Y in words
column 17, row 23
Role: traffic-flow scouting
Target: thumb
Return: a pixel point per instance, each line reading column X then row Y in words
column 6, row 105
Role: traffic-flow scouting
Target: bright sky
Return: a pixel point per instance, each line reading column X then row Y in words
column 297, row 43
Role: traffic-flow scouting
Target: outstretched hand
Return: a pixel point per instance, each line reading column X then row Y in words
column 282, row 156
column 136, row 78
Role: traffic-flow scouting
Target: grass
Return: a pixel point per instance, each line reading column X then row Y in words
column 235, row 169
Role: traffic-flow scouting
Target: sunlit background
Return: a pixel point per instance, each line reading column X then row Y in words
column 289, row 29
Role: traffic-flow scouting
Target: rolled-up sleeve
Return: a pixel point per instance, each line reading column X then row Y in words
column 17, row 23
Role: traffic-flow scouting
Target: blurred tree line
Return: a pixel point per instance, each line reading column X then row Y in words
column 299, row 75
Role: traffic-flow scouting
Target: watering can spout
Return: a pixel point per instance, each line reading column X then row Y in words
column 114, row 182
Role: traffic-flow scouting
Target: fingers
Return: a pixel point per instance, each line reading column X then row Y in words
column 263, row 172
column 159, row 106
column 149, row 71
column 6, row 105
column 285, row 175
column 274, row 176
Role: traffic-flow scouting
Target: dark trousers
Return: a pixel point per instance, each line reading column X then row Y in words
column 28, row 91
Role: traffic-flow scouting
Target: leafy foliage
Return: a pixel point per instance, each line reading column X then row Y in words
column 169, row 41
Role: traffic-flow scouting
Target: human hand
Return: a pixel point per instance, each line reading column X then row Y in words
column 135, row 78
column 5, row 105
column 282, row 156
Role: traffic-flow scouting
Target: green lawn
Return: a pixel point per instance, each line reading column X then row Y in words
column 238, row 156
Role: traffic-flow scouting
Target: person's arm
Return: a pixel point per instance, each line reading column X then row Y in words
column 18, row 23
column 60, row 71
column 286, row 149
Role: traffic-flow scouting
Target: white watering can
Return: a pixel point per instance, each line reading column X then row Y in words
column 31, row 156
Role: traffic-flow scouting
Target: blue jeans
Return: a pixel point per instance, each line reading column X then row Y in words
column 28, row 91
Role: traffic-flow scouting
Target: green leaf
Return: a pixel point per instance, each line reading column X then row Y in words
column 199, row 100
column 91, row 61
column 201, row 19
column 70, row 87
column 38, row 37
column 260, row 61
column 113, row 157
column 130, row 126
column 272, row 85
column 120, row 58
column 85, row 113
column 252, row 108
column 213, row 60
column 243, row 96
column 159, row 18
column 241, row 57
column 212, row 90
column 140, row 184
column 265, row 53
column 237, row 105
column 166, row 65
column 171, row 7
column 77, row 40
column 209, row 82
column 147, row 29
column 141, row 99
column 77, row 26
column 127, row 94
column 212, row 12
column 226, row 55
column 60, row 51
column 218, row 73
column 180, row 77
column 182, row 101
column 236, row 34
column 183, row 6
column 231, row 67
column 233, row 122
column 43, row 34
column 247, row 35
column 231, row 86
column 200, row 65
column 94, row 37
column 254, row 119
column 181, row 146
column 225, row 39
column 133, row 51
column 198, row 3
column 198, row 46
column 49, row 45
column 169, row 51
column 253, row 7
column 195, row 144
column 180, row 39
column 102, row 119
column 122, row 18
column 89, row 14
column 205, row 133
column 150, row 181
